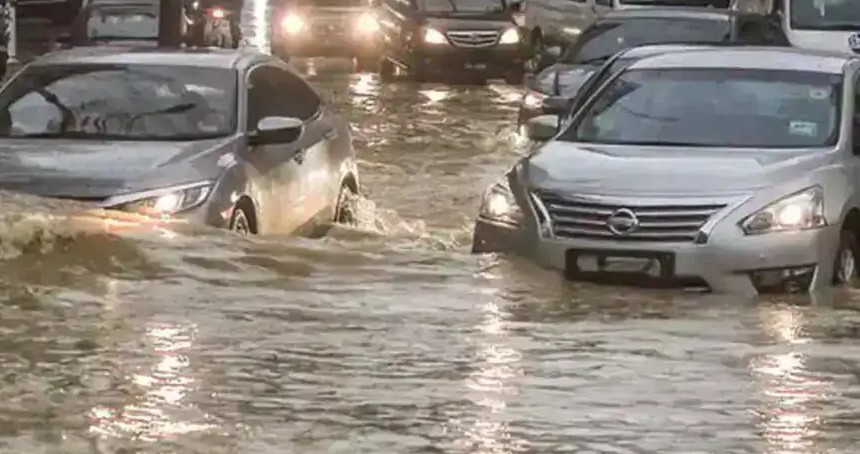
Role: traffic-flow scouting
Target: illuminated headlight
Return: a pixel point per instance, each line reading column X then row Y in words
column 533, row 100
column 292, row 24
column 798, row 211
column 510, row 36
column 163, row 202
column 433, row 36
column 367, row 23
column 499, row 204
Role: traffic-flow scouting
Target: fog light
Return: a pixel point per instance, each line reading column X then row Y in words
column 783, row 280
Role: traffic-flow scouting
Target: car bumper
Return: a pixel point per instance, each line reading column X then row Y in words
column 749, row 265
column 313, row 44
column 493, row 61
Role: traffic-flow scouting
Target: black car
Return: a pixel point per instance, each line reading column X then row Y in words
column 621, row 30
column 433, row 38
column 328, row 28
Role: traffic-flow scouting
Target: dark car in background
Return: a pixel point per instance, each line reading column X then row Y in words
column 441, row 38
column 328, row 28
column 620, row 30
column 228, row 138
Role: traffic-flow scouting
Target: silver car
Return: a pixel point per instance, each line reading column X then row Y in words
column 228, row 138
column 731, row 168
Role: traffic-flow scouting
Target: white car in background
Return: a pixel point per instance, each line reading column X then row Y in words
column 550, row 25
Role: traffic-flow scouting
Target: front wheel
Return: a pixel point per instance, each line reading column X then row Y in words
column 240, row 222
column 346, row 211
column 386, row 70
column 845, row 266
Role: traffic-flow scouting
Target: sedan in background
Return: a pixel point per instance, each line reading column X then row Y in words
column 229, row 138
column 735, row 169
column 621, row 30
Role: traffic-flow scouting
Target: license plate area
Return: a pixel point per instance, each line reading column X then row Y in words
column 623, row 267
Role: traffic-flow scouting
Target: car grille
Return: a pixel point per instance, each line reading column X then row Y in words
column 586, row 219
column 330, row 25
column 484, row 38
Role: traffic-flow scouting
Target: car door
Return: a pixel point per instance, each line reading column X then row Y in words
column 318, row 185
column 276, row 184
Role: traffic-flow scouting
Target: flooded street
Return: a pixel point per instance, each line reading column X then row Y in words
column 392, row 338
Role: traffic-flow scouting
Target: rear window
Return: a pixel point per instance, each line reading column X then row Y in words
column 122, row 23
column 714, row 108
column 604, row 39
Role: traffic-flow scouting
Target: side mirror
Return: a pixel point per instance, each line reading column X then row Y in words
column 277, row 130
column 542, row 128
column 556, row 105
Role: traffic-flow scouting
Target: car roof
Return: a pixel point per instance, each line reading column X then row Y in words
column 668, row 12
column 204, row 58
column 656, row 49
column 766, row 58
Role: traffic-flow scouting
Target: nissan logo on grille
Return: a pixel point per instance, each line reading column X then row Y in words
column 622, row 222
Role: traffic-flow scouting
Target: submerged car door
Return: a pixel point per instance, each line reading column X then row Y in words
column 318, row 179
column 276, row 185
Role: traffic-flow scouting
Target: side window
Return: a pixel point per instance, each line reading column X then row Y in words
column 274, row 91
column 607, row 3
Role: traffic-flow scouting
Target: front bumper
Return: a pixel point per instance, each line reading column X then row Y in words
column 737, row 264
column 499, row 60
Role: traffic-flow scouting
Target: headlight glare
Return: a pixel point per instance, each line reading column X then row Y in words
column 166, row 202
column 433, row 36
column 498, row 204
column 292, row 24
column 510, row 36
column 367, row 23
column 798, row 211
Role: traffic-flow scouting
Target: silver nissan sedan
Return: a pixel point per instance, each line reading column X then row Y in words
column 736, row 169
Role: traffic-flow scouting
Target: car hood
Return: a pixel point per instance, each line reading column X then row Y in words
column 829, row 40
column 97, row 170
column 570, row 79
column 654, row 171
column 471, row 21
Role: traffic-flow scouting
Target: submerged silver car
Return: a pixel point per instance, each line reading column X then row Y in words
column 228, row 138
column 731, row 168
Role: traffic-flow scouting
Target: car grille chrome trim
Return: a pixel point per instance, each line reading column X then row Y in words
column 473, row 38
column 583, row 217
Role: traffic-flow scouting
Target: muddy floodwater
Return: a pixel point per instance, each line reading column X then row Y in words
column 392, row 338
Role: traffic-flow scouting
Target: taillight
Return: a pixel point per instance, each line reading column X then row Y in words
column 217, row 13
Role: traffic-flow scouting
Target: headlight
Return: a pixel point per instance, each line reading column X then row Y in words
column 292, row 24
column 163, row 202
column 499, row 204
column 510, row 36
column 367, row 23
column 433, row 36
column 533, row 100
column 798, row 211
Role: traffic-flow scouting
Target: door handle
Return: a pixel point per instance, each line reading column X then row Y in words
column 300, row 156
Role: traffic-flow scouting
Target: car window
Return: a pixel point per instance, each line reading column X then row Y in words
column 714, row 108
column 121, row 23
column 604, row 3
column 824, row 15
column 604, row 39
column 462, row 6
column 277, row 92
column 121, row 102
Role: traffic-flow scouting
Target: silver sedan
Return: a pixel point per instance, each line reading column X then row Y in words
column 731, row 168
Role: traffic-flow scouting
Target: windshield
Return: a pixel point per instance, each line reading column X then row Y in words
column 119, row 102
column 122, row 23
column 713, row 108
column 825, row 14
column 463, row 6
column 605, row 39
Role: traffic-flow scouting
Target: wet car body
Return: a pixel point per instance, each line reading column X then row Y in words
column 620, row 30
column 266, row 152
column 431, row 39
column 330, row 28
column 716, row 213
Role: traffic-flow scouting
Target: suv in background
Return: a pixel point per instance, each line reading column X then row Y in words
column 434, row 38
column 328, row 28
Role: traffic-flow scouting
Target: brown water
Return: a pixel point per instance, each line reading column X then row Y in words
column 391, row 338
